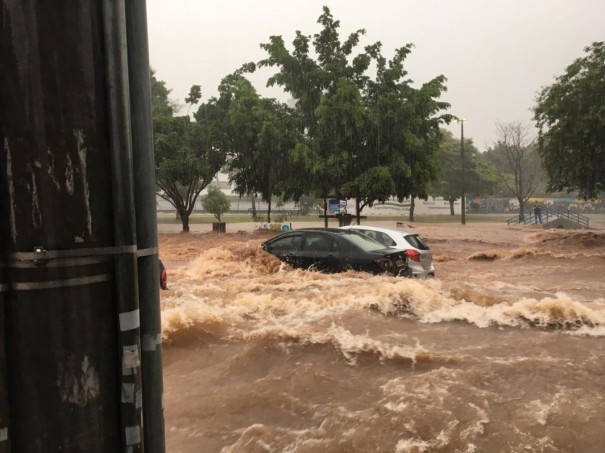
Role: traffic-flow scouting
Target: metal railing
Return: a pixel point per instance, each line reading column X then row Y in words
column 550, row 214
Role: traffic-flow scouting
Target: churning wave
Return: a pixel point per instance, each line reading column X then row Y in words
column 241, row 292
column 558, row 244
column 237, row 291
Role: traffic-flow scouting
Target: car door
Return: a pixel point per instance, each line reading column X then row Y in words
column 287, row 248
column 320, row 251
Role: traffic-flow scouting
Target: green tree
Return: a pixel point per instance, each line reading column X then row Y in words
column 570, row 116
column 195, row 94
column 261, row 165
column 516, row 161
column 358, row 129
column 406, row 120
column 327, row 93
column 185, row 153
column 239, row 128
column 479, row 177
column 262, row 134
column 273, row 168
column 216, row 202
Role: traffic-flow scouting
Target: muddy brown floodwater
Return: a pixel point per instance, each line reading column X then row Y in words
column 502, row 352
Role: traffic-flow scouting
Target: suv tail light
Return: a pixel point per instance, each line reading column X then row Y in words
column 413, row 255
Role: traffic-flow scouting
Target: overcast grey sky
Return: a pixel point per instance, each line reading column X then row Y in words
column 496, row 55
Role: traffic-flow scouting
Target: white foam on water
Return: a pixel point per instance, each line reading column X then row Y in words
column 477, row 428
column 412, row 446
column 259, row 437
column 310, row 304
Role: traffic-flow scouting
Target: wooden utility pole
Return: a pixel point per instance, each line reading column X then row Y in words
column 80, row 366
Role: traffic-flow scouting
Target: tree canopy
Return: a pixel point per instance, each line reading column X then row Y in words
column 357, row 127
column 570, row 116
column 262, row 135
column 187, row 154
column 366, row 136
column 216, row 202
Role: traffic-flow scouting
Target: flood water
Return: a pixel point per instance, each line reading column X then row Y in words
column 502, row 352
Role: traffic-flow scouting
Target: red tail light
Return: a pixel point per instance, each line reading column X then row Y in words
column 413, row 255
column 164, row 280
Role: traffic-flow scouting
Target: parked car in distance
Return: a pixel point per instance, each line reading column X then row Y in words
column 420, row 258
column 336, row 250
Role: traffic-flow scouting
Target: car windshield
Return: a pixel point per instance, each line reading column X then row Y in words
column 415, row 241
column 364, row 242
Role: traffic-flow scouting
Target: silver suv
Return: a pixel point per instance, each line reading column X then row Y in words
column 420, row 258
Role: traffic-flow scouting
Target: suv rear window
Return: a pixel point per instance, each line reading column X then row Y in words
column 415, row 241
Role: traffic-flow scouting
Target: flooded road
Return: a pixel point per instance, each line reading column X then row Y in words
column 502, row 352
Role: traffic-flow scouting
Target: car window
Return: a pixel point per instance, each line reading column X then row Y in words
column 369, row 233
column 379, row 236
column 385, row 239
column 415, row 241
column 319, row 242
column 362, row 241
column 285, row 244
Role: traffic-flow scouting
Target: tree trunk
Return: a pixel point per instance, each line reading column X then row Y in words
column 451, row 200
column 185, row 221
column 521, row 210
column 253, row 200
column 269, row 211
column 412, row 206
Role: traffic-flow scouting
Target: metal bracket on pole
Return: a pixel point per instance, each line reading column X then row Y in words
column 39, row 255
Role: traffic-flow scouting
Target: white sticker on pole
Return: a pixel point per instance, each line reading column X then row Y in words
column 130, row 320
column 130, row 359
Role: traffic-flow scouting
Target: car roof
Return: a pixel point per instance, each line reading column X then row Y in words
column 373, row 228
column 322, row 230
column 336, row 231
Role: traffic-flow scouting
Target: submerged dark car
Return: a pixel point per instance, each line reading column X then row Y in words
column 336, row 250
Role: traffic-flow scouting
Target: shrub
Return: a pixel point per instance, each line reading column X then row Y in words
column 216, row 202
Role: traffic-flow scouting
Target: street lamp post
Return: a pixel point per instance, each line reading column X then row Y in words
column 462, row 188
